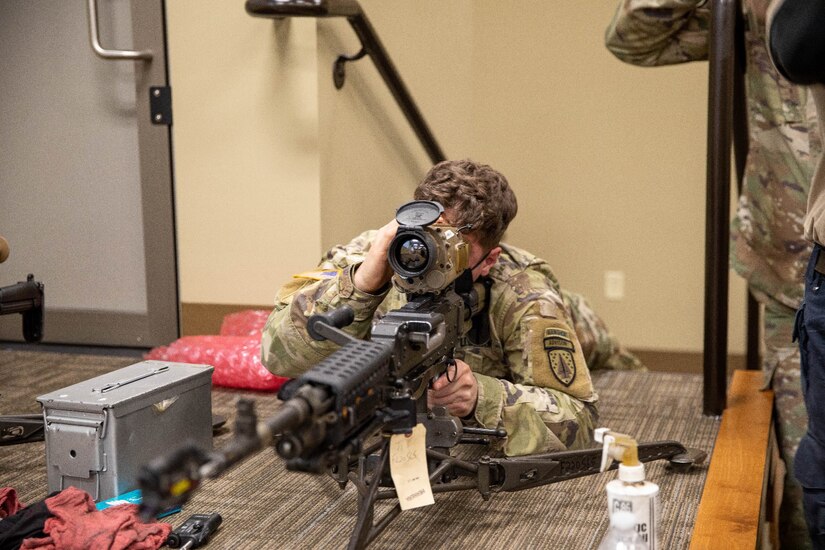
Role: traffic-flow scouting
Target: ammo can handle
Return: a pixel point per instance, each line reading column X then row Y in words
column 115, row 385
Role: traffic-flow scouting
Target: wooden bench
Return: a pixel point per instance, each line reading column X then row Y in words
column 736, row 497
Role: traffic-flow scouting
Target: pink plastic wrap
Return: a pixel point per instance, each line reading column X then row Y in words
column 237, row 360
column 244, row 323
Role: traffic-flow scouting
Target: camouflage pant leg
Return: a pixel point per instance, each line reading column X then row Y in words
column 600, row 348
column 782, row 369
column 537, row 420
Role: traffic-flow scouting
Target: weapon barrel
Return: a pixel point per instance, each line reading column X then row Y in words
column 292, row 414
column 20, row 297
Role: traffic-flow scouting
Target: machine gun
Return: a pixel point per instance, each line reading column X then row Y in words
column 340, row 416
column 26, row 298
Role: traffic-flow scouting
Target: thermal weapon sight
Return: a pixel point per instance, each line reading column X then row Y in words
column 426, row 253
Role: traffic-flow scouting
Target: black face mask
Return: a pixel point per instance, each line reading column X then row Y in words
column 464, row 282
column 479, row 333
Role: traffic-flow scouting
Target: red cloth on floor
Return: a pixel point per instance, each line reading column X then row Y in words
column 75, row 524
column 9, row 505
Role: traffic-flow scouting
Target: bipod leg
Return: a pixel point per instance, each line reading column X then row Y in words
column 21, row 428
column 365, row 530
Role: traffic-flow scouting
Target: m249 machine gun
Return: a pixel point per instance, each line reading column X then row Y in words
column 341, row 415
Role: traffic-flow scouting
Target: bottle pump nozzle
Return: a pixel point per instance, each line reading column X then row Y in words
column 622, row 448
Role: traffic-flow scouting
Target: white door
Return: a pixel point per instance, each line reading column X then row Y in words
column 85, row 169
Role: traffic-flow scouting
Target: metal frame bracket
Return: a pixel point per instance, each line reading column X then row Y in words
column 160, row 105
column 339, row 71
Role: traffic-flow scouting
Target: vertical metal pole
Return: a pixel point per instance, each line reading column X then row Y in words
column 720, row 109
column 753, row 356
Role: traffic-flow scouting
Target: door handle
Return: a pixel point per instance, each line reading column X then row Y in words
column 103, row 52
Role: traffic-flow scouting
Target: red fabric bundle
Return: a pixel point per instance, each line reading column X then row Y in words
column 244, row 323
column 235, row 353
column 75, row 524
column 9, row 505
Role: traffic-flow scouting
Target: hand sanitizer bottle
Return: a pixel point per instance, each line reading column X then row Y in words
column 630, row 492
column 622, row 534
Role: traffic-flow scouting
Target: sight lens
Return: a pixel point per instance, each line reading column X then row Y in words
column 413, row 254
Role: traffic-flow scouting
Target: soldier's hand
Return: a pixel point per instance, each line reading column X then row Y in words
column 459, row 396
column 375, row 271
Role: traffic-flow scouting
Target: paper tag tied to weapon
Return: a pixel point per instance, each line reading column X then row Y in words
column 408, row 468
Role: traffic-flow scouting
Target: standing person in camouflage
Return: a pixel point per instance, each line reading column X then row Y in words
column 767, row 244
column 797, row 44
column 515, row 379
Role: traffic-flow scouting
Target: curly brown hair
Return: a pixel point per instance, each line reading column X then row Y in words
column 477, row 194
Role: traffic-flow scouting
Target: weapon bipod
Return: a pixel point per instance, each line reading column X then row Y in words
column 487, row 475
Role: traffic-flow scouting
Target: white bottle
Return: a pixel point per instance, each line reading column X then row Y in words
column 622, row 534
column 630, row 492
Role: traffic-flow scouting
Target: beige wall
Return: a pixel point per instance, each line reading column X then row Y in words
column 608, row 160
column 245, row 137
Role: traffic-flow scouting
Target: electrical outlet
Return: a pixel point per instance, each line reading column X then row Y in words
column 614, row 285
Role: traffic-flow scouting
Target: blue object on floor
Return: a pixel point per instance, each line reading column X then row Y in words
column 132, row 497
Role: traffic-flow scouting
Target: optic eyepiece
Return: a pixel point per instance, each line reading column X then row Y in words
column 425, row 255
column 411, row 252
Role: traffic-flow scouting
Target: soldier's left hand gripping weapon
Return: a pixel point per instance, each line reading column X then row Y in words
column 338, row 416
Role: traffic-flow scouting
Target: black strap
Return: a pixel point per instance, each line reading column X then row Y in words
column 479, row 333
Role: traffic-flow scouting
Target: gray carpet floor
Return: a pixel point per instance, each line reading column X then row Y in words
column 264, row 506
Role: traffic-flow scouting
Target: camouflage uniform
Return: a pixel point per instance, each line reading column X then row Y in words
column 767, row 243
column 532, row 376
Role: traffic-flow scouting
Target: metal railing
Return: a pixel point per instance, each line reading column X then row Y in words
column 370, row 45
column 727, row 124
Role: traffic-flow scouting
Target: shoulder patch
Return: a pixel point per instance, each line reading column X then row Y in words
column 318, row 275
column 561, row 354
column 554, row 358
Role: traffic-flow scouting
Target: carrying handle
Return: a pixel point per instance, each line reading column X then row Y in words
column 94, row 37
column 115, row 385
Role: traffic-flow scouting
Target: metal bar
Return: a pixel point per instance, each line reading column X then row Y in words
column 94, row 38
column 369, row 39
column 370, row 42
column 303, row 8
column 720, row 108
column 753, row 355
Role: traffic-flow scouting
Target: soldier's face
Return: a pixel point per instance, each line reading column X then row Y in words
column 481, row 259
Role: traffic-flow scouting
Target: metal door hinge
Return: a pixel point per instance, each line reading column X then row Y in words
column 160, row 104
